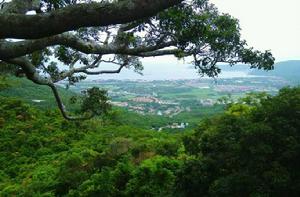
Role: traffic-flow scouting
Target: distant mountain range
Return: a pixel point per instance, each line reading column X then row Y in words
column 174, row 70
column 287, row 69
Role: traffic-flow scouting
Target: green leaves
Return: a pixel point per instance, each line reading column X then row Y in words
column 95, row 102
column 252, row 149
column 4, row 83
column 257, row 59
column 155, row 177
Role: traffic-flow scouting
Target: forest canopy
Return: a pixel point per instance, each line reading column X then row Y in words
column 252, row 149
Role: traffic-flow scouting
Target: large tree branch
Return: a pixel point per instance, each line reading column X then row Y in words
column 9, row 50
column 19, row 6
column 29, row 70
column 69, row 73
column 105, row 71
column 33, row 75
column 85, row 69
column 80, row 15
column 161, row 53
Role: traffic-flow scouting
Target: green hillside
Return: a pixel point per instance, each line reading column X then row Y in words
column 27, row 91
column 250, row 150
column 34, row 94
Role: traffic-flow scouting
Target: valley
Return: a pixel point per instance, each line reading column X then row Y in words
column 181, row 102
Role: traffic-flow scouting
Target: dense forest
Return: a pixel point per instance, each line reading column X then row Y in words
column 252, row 149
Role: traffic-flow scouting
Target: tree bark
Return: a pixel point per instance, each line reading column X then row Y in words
column 72, row 17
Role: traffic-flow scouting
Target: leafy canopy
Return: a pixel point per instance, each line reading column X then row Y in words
column 192, row 29
column 253, row 149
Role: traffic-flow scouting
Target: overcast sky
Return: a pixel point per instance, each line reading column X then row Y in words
column 268, row 24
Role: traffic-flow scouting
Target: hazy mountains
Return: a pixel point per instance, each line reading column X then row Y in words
column 288, row 70
column 175, row 70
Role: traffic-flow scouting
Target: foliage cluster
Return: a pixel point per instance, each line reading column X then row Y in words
column 253, row 149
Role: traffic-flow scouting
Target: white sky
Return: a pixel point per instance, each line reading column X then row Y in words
column 268, row 24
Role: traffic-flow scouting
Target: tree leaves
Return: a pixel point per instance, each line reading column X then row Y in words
column 95, row 102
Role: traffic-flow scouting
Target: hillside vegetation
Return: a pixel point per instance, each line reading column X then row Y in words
column 40, row 96
column 252, row 149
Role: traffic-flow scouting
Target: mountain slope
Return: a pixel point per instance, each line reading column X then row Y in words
column 288, row 69
column 37, row 95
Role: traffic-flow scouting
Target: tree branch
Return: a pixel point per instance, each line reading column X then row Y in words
column 80, row 15
column 19, row 6
column 105, row 71
column 62, row 107
column 9, row 50
column 72, row 71
column 34, row 76
column 164, row 52
column 29, row 70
